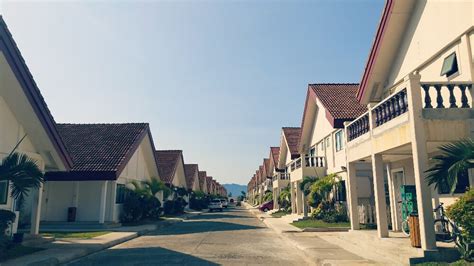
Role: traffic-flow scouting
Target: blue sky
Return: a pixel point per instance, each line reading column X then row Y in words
column 217, row 79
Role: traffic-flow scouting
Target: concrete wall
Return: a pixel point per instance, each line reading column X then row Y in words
column 179, row 179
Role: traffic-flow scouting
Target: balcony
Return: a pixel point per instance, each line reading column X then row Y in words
column 442, row 106
column 313, row 166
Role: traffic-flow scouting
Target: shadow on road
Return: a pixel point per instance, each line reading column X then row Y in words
column 210, row 216
column 141, row 256
column 196, row 226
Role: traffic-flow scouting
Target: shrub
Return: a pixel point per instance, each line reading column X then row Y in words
column 138, row 206
column 174, row 206
column 462, row 212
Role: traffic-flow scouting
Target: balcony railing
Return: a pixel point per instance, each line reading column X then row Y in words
column 449, row 89
column 388, row 109
column 310, row 161
column 315, row 161
column 281, row 176
column 358, row 127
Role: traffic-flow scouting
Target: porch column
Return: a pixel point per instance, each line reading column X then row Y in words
column 75, row 196
column 353, row 196
column 103, row 199
column 113, row 195
column 293, row 198
column 393, row 200
column 420, row 162
column 379, row 191
column 299, row 199
column 36, row 211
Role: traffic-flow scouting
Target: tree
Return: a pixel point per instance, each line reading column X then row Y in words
column 284, row 199
column 455, row 159
column 23, row 174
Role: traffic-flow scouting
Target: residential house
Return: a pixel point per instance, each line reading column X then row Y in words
column 106, row 158
column 281, row 179
column 267, row 177
column 289, row 159
column 192, row 177
column 417, row 85
column 327, row 107
column 27, row 128
column 171, row 168
column 203, row 181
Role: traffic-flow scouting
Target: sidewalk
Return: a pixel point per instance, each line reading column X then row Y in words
column 66, row 250
column 318, row 250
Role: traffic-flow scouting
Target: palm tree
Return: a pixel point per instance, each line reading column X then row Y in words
column 455, row 159
column 150, row 187
column 23, row 174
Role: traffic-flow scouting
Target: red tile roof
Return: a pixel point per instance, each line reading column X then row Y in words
column 98, row 151
column 202, row 176
column 339, row 99
column 275, row 155
column 266, row 166
column 191, row 172
column 167, row 161
column 292, row 136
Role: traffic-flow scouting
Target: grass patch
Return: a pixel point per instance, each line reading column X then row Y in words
column 279, row 214
column 313, row 223
column 456, row 263
column 80, row 235
column 18, row 251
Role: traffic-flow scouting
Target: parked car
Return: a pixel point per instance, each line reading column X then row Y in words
column 266, row 206
column 215, row 205
column 224, row 202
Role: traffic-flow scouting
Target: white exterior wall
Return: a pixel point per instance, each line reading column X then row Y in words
column 179, row 179
column 434, row 24
column 60, row 195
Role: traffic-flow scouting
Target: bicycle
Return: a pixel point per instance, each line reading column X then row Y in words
column 445, row 230
column 405, row 227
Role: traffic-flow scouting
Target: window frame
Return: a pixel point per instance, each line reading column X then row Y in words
column 4, row 200
column 338, row 139
column 120, row 193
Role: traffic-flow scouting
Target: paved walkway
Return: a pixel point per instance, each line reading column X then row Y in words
column 233, row 237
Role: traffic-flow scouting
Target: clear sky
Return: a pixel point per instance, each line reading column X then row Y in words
column 217, row 79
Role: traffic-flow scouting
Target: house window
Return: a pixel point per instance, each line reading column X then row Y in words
column 450, row 65
column 3, row 192
column 121, row 194
column 322, row 145
column 461, row 187
column 339, row 140
column 328, row 142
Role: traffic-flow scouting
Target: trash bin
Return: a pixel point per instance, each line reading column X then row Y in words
column 71, row 214
column 414, row 225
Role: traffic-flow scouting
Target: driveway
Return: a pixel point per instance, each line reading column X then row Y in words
column 232, row 237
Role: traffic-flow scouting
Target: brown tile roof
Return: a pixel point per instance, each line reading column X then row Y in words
column 292, row 136
column 202, row 176
column 209, row 183
column 339, row 99
column 167, row 162
column 266, row 166
column 191, row 171
column 99, row 151
column 275, row 155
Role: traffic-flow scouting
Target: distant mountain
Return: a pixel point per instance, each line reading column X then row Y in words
column 235, row 189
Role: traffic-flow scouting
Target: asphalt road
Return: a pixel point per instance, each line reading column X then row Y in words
column 233, row 237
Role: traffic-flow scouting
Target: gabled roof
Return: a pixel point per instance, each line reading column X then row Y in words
column 202, row 177
column 339, row 100
column 191, row 172
column 99, row 151
column 266, row 166
column 292, row 136
column 209, row 183
column 275, row 155
column 20, row 69
column 392, row 26
column 167, row 162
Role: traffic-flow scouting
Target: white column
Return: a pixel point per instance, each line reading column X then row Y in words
column 103, row 200
column 299, row 199
column 113, row 194
column 353, row 196
column 75, row 196
column 420, row 162
column 379, row 191
column 36, row 211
